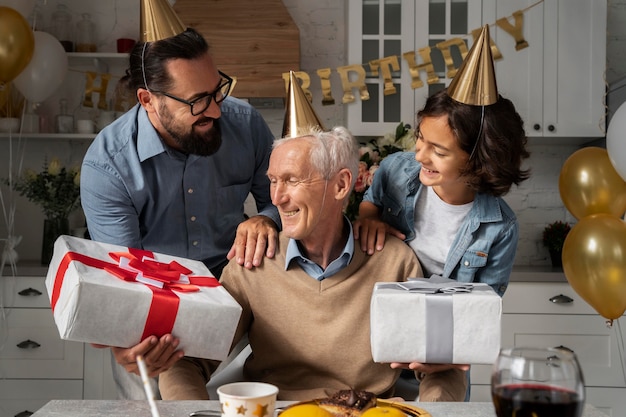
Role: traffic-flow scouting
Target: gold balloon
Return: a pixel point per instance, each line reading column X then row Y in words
column 589, row 184
column 17, row 44
column 594, row 262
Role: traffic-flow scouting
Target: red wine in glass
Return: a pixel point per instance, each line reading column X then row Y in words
column 531, row 400
column 537, row 382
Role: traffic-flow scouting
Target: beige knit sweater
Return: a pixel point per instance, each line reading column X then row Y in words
column 310, row 338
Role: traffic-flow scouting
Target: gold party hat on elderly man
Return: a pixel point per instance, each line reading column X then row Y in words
column 159, row 21
column 475, row 80
column 299, row 114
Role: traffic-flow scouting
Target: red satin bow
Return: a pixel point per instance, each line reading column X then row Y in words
column 166, row 278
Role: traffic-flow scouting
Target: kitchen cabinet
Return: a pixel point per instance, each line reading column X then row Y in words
column 552, row 314
column 384, row 28
column 557, row 82
column 35, row 364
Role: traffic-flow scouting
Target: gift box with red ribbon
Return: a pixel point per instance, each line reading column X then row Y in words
column 118, row 296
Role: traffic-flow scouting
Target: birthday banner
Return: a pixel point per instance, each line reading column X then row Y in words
column 512, row 25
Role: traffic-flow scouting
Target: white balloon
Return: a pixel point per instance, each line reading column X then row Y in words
column 24, row 7
column 616, row 140
column 46, row 70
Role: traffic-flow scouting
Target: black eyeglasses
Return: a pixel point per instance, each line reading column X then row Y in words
column 200, row 104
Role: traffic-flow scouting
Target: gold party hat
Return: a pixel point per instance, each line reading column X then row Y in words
column 475, row 80
column 299, row 114
column 159, row 21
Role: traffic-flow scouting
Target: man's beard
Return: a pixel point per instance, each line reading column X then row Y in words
column 191, row 142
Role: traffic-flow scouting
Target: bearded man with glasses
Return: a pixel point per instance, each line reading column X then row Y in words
column 171, row 175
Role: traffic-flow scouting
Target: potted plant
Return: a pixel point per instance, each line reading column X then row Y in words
column 553, row 238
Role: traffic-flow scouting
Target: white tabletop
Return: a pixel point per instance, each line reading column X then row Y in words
column 113, row 408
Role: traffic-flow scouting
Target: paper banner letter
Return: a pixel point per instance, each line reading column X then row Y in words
column 102, row 90
column 304, row 84
column 348, row 85
column 444, row 47
column 515, row 31
column 384, row 64
column 324, row 74
column 414, row 68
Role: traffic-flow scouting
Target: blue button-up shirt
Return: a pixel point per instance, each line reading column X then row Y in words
column 311, row 268
column 138, row 192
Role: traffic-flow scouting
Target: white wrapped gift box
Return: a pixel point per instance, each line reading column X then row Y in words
column 435, row 322
column 110, row 295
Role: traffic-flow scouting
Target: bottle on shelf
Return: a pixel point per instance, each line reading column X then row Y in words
column 86, row 35
column 61, row 27
column 64, row 120
column 30, row 119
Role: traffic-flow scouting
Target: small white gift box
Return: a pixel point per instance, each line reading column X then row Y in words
column 439, row 321
column 116, row 296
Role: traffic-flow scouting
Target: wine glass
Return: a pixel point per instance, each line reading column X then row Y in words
column 537, row 382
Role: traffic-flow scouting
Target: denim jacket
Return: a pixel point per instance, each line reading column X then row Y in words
column 484, row 247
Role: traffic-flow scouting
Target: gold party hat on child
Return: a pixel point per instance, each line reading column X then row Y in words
column 299, row 114
column 159, row 21
column 475, row 80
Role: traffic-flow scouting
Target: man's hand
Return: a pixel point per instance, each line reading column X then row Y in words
column 372, row 232
column 159, row 354
column 256, row 237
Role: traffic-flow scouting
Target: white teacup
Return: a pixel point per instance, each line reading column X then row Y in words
column 247, row 399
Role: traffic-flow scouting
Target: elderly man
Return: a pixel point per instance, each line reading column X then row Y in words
column 306, row 311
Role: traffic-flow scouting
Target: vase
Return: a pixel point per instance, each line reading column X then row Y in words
column 52, row 229
column 556, row 258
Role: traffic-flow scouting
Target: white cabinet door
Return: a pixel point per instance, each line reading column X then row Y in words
column 556, row 83
column 384, row 28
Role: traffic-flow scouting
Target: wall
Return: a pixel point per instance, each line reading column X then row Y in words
column 323, row 38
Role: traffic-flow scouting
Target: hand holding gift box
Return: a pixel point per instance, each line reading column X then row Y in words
column 111, row 295
column 435, row 320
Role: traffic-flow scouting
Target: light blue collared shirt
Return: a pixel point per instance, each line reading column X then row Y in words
column 313, row 269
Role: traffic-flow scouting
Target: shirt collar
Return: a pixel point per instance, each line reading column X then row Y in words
column 293, row 250
column 149, row 142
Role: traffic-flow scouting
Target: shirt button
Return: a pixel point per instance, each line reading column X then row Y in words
column 466, row 263
column 193, row 218
column 190, row 191
column 389, row 210
column 195, row 243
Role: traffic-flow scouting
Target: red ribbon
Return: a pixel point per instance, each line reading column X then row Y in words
column 165, row 302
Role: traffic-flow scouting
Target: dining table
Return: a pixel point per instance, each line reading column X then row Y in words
column 136, row 408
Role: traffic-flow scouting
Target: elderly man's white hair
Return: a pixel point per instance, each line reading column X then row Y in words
column 331, row 150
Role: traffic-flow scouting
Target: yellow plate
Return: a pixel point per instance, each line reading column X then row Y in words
column 408, row 409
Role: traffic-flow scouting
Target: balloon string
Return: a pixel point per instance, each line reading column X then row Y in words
column 620, row 347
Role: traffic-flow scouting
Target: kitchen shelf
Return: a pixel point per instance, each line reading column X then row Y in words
column 91, row 55
column 46, row 136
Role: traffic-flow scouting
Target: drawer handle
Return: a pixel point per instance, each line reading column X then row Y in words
column 24, row 413
column 561, row 299
column 28, row 344
column 30, row 292
column 565, row 348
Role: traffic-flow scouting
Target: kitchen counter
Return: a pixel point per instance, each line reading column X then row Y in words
column 123, row 408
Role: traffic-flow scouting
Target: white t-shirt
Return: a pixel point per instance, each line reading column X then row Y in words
column 436, row 226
